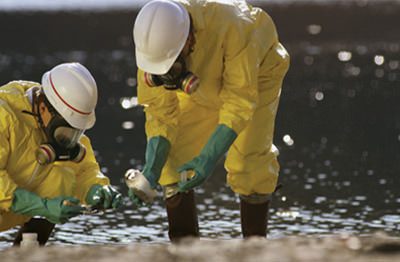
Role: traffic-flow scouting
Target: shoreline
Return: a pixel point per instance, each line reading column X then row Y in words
column 378, row 247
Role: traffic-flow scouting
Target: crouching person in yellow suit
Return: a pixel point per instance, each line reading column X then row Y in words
column 210, row 77
column 47, row 165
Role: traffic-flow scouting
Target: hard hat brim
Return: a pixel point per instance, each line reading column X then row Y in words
column 83, row 123
column 154, row 66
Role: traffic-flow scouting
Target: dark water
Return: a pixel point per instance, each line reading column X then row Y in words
column 338, row 125
column 73, row 5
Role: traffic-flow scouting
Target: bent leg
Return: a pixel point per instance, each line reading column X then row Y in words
column 182, row 216
column 41, row 226
column 251, row 162
column 252, row 159
column 196, row 123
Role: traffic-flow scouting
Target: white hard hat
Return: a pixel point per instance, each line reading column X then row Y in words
column 160, row 33
column 72, row 91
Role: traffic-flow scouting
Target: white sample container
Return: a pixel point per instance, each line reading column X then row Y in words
column 29, row 240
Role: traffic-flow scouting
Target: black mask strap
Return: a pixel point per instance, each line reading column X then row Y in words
column 35, row 101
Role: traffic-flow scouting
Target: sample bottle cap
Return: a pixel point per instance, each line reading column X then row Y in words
column 29, row 236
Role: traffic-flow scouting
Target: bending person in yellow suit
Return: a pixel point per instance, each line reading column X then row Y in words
column 47, row 166
column 210, row 76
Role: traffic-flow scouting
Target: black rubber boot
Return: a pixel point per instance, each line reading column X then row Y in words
column 254, row 218
column 41, row 226
column 182, row 216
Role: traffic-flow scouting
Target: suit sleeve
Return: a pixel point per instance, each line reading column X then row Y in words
column 7, row 185
column 243, row 48
column 161, row 108
column 239, row 91
column 88, row 172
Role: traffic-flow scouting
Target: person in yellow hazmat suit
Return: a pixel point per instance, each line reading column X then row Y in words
column 48, row 171
column 209, row 77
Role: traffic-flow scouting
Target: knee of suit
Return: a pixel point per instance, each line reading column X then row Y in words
column 9, row 220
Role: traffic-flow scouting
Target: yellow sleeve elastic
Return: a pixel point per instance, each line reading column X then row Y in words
column 161, row 108
column 88, row 172
column 7, row 185
column 239, row 91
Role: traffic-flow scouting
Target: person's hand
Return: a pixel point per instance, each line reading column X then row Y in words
column 203, row 165
column 134, row 198
column 104, row 197
column 61, row 209
column 142, row 184
column 202, row 168
column 57, row 210
column 141, row 190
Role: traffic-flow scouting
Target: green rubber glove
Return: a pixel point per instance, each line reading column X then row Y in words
column 103, row 197
column 204, row 164
column 156, row 155
column 135, row 199
column 57, row 210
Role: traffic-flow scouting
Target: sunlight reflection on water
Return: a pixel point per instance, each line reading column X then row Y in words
column 339, row 161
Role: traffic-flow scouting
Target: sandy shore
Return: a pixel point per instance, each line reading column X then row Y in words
column 378, row 247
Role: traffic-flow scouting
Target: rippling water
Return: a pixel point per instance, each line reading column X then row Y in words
column 338, row 131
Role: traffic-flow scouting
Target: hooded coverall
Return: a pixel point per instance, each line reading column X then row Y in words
column 241, row 66
column 20, row 136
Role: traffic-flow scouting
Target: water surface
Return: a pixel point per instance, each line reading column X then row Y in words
column 338, row 132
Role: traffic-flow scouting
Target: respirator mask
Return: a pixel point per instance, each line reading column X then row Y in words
column 62, row 141
column 177, row 78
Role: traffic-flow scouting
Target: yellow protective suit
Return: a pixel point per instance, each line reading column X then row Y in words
column 20, row 136
column 241, row 66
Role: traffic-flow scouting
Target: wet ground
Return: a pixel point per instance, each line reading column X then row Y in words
column 340, row 248
column 338, row 127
